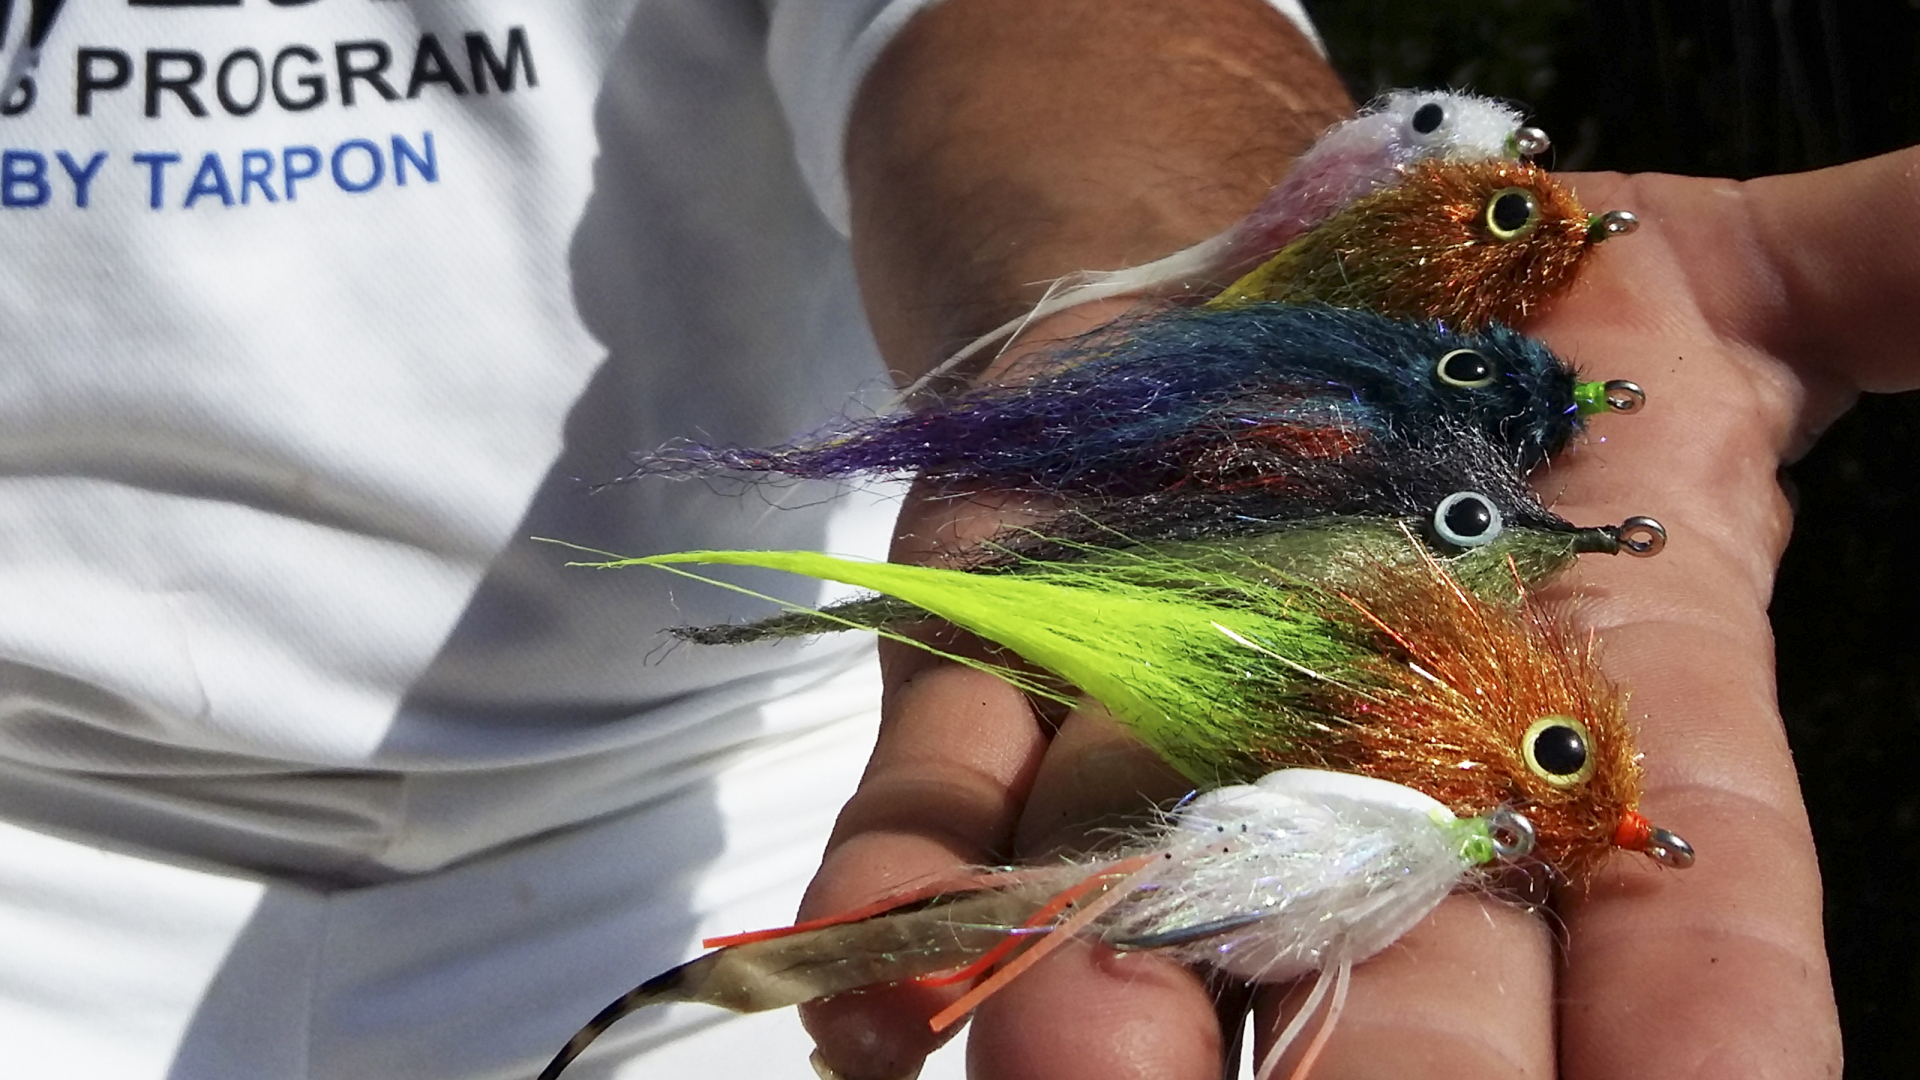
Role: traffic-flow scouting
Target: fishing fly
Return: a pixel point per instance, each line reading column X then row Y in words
column 1302, row 871
column 1399, row 673
column 1470, row 243
column 1130, row 408
column 1355, row 157
column 1497, row 559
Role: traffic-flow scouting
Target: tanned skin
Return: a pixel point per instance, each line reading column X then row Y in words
column 1001, row 143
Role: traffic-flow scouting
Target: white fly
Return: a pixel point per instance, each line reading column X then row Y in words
column 1303, row 871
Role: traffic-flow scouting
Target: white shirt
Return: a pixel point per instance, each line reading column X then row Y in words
column 313, row 762
column 317, row 317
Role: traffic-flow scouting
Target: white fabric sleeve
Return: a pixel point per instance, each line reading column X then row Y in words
column 820, row 50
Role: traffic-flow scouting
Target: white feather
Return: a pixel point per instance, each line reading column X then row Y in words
column 1303, row 870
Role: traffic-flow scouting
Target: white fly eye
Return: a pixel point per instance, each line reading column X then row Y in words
column 1466, row 369
column 1428, row 118
column 1559, row 750
column 1467, row 519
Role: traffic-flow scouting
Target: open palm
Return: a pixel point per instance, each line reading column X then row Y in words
column 1751, row 313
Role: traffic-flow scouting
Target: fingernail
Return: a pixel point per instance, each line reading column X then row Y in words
column 827, row 1072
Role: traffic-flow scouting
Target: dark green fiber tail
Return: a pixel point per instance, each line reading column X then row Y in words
column 859, row 613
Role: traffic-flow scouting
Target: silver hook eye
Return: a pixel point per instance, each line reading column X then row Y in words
column 1669, row 850
column 1511, row 833
column 1624, row 396
column 1642, row 536
column 1610, row 224
column 1529, row 141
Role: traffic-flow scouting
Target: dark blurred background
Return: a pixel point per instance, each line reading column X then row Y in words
column 1741, row 88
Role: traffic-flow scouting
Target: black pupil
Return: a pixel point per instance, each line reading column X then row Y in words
column 1426, row 119
column 1467, row 367
column 1469, row 518
column 1560, row 750
column 1512, row 211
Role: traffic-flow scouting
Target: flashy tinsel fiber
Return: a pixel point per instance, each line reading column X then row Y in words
column 1249, row 486
column 1303, row 871
column 1471, row 244
column 1311, row 517
column 1372, row 151
column 1328, row 552
column 1168, row 400
column 1355, row 157
column 1401, row 674
column 1294, row 872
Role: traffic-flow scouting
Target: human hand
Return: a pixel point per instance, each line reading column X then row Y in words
column 1751, row 313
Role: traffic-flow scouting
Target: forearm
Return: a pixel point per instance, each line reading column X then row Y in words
column 998, row 144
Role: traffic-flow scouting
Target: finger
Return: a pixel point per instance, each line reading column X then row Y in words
column 1814, row 268
column 1096, row 778
column 1087, row 1012
column 954, row 760
column 1468, row 993
column 959, row 753
column 1839, row 245
column 1719, row 970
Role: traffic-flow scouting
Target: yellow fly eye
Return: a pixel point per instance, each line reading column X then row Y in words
column 1466, row 369
column 1512, row 213
column 1559, row 750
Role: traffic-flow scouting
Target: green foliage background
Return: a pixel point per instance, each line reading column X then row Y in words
column 1743, row 88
